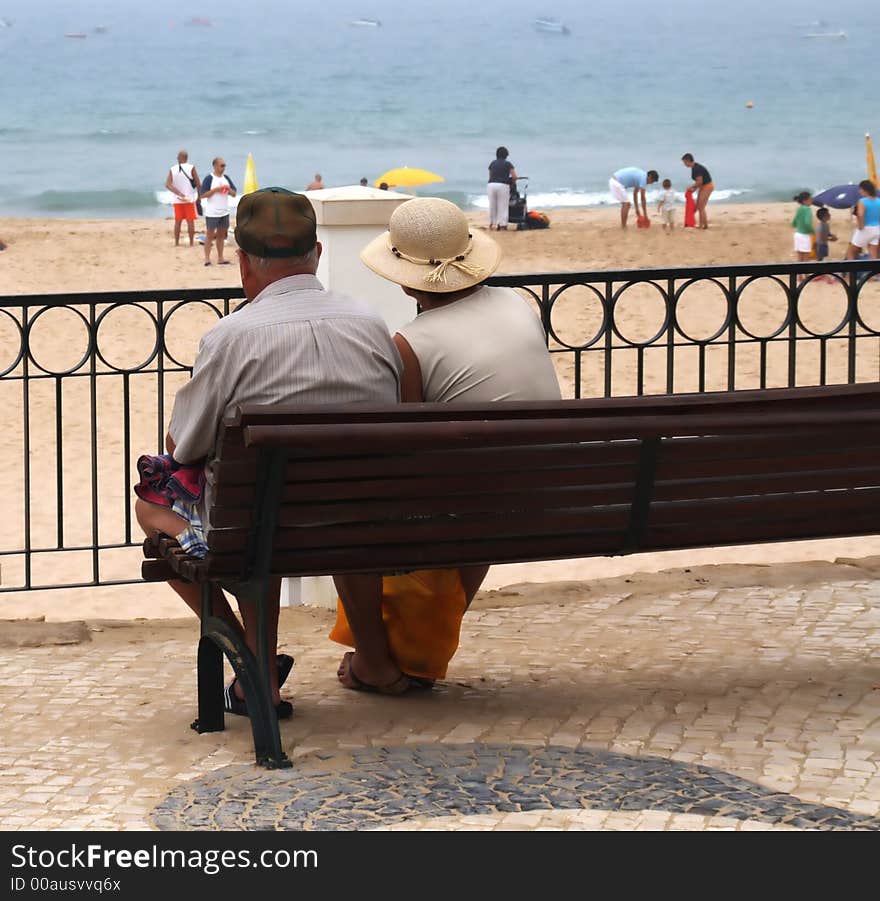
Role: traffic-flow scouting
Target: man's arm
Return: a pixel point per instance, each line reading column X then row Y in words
column 198, row 407
column 644, row 203
column 232, row 189
column 198, row 182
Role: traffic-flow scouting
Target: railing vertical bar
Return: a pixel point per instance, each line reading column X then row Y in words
column 59, row 463
column 609, row 334
column 793, row 298
column 852, row 315
column 640, row 370
column 26, row 410
column 672, row 319
column 578, row 363
column 762, row 366
column 823, row 360
column 701, row 387
column 160, row 379
column 93, row 403
column 126, row 451
column 731, row 332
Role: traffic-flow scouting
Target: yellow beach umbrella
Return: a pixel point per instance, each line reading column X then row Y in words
column 250, row 177
column 872, row 165
column 408, row 177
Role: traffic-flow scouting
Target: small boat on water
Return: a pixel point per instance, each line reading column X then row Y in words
column 100, row 29
column 828, row 35
column 75, row 34
column 200, row 21
column 365, row 23
column 551, row 26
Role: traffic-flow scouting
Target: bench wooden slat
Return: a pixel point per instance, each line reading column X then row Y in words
column 452, row 434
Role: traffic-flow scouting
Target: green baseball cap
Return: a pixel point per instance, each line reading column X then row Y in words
column 275, row 222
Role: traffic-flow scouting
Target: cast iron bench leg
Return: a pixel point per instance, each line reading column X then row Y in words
column 210, row 670
column 216, row 639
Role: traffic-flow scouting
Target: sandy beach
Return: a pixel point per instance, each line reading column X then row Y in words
column 69, row 256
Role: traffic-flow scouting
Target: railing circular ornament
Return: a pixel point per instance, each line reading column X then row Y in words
column 29, row 334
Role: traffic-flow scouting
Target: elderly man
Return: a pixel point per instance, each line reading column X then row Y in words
column 292, row 343
column 631, row 177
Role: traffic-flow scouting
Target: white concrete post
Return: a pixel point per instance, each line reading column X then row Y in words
column 348, row 219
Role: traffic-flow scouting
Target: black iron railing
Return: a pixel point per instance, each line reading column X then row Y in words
column 79, row 411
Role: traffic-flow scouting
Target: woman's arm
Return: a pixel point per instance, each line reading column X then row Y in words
column 411, row 382
column 860, row 214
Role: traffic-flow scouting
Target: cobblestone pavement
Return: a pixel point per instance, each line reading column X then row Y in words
column 732, row 708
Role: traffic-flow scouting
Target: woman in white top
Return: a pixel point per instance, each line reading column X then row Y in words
column 469, row 343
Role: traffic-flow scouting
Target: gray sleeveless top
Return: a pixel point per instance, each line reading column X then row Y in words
column 483, row 348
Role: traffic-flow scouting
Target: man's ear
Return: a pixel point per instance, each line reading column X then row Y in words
column 243, row 265
column 319, row 248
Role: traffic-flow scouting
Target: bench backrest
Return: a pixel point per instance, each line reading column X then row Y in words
column 320, row 490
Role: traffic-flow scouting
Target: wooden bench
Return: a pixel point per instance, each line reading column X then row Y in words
column 311, row 491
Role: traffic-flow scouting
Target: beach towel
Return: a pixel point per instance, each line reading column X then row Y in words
column 690, row 210
column 422, row 612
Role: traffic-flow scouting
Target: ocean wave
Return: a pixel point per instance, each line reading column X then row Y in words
column 55, row 201
column 560, row 199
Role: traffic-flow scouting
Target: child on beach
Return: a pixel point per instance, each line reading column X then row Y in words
column 823, row 233
column 802, row 223
column 666, row 206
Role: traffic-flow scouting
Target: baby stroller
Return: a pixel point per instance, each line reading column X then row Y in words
column 518, row 207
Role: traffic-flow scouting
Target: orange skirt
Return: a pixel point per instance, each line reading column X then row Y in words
column 422, row 611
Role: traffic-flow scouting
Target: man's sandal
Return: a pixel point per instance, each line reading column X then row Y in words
column 237, row 706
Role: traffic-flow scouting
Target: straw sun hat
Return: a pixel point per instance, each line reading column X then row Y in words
column 429, row 247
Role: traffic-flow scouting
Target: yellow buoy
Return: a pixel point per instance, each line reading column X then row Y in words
column 750, row 105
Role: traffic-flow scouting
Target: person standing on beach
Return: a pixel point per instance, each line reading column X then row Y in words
column 502, row 176
column 702, row 187
column 317, row 184
column 631, row 177
column 183, row 183
column 293, row 343
column 802, row 223
column 217, row 188
column 867, row 233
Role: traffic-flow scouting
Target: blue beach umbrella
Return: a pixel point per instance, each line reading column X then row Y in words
column 841, row 197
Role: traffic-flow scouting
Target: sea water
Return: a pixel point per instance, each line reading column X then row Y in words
column 89, row 126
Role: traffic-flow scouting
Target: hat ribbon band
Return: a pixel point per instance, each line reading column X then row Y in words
column 438, row 274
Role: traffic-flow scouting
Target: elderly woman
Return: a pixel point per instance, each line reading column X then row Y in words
column 867, row 233
column 469, row 343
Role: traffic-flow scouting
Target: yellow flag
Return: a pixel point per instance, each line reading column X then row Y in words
column 872, row 166
column 250, row 177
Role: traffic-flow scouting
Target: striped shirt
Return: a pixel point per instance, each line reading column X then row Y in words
column 294, row 343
